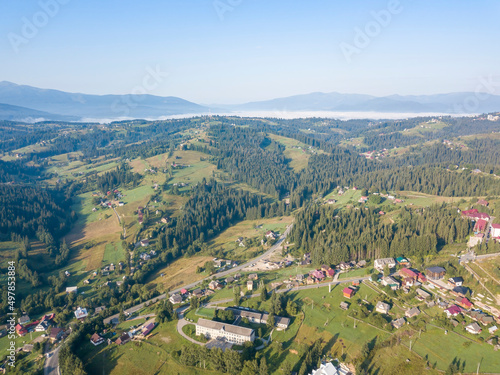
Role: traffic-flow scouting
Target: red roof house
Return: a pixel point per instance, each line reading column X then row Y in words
column 480, row 225
column 21, row 331
column 464, row 302
column 348, row 292
column 453, row 311
column 406, row 272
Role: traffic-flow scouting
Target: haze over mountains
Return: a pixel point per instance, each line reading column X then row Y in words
column 26, row 103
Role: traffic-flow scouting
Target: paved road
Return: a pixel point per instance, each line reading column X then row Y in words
column 51, row 366
column 181, row 323
column 114, row 318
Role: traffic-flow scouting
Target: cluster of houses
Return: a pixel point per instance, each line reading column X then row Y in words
column 375, row 155
column 483, row 228
column 44, row 324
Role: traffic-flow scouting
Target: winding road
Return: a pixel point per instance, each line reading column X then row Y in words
column 114, row 318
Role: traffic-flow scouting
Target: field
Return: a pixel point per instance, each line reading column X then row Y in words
column 180, row 272
column 298, row 152
column 425, row 127
column 247, row 229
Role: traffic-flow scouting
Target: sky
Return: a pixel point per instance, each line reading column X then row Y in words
column 234, row 51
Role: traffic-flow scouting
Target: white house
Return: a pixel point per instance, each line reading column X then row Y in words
column 81, row 313
column 380, row 264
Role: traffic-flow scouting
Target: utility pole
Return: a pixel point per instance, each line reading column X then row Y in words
column 477, row 372
column 410, row 345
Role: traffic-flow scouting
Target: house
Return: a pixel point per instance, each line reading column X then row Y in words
column 72, row 289
column 382, row 307
column 42, row 326
column 480, row 226
column 475, row 239
column 344, row 305
column 97, row 339
column 99, row 309
column 435, row 273
column 197, row 293
column 344, row 266
column 492, row 329
column 473, row 328
column 123, row 339
column 398, row 323
column 144, row 242
column 56, row 334
column 330, row 272
column 281, row 322
column 414, row 311
column 145, row 256
column 20, row 330
column 361, row 264
column 86, row 281
column 486, row 320
column 465, row 303
column 422, row 293
column 483, row 202
column 408, row 282
column 253, row 276
column 326, row 368
column 403, row 261
column 229, row 280
column 271, row 235
column 380, row 264
column 318, row 275
column 453, row 310
column 391, row 281
column 184, row 291
column 67, row 274
column 250, row 285
column 408, row 273
column 348, row 292
column 455, row 281
column 81, row 313
column 460, row 291
column 24, row 319
column 27, row 348
column 306, row 260
column 175, row 299
column 474, row 214
column 214, row 285
column 147, row 329
column 219, row 262
column 495, row 230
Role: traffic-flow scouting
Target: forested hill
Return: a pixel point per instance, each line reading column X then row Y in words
column 333, row 236
column 33, row 212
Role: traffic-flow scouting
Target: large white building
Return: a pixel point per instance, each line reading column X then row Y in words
column 232, row 333
column 379, row 264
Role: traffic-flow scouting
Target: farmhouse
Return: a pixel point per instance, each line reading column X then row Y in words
column 453, row 310
column 473, row 328
column 455, row 281
column 382, row 307
column 233, row 334
column 175, row 299
column 414, row 311
column 398, row 323
column 55, row 334
column 123, row 339
column 97, row 339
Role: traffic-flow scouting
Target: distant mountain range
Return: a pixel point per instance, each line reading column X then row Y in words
column 81, row 106
column 453, row 103
column 26, row 103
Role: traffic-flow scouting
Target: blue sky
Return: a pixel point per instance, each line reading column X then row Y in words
column 257, row 49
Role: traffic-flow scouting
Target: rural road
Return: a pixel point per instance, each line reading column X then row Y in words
column 114, row 318
column 51, row 366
